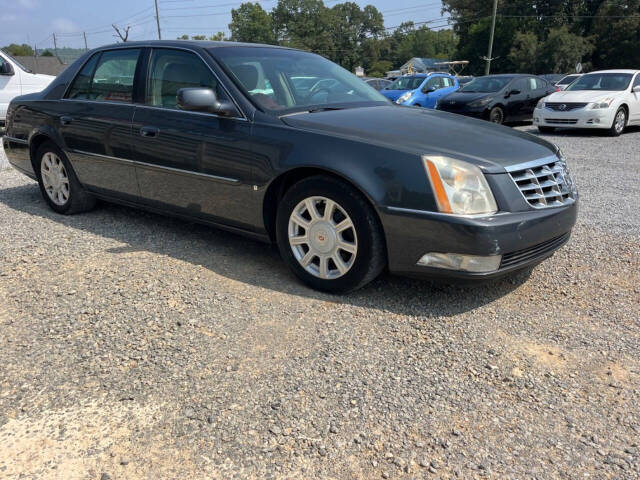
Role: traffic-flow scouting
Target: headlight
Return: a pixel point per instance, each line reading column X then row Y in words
column 483, row 102
column 540, row 104
column 604, row 103
column 404, row 97
column 459, row 187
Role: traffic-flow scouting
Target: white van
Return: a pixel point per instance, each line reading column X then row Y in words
column 17, row 80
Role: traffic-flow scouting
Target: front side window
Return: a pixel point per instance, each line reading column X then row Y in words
column 406, row 83
column 107, row 77
column 282, row 81
column 171, row 70
column 433, row 84
column 522, row 84
column 602, row 81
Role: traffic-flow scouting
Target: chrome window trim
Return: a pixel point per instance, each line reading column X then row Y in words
column 152, row 47
column 217, row 178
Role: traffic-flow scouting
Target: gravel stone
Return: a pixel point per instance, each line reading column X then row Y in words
column 194, row 353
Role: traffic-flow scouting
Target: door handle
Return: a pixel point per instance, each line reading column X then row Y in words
column 66, row 120
column 149, row 131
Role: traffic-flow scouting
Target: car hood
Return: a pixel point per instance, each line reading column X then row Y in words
column 393, row 94
column 581, row 96
column 464, row 98
column 428, row 132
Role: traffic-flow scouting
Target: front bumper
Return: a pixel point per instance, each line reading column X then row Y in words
column 579, row 118
column 522, row 238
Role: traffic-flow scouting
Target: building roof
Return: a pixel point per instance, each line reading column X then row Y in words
column 45, row 65
column 426, row 64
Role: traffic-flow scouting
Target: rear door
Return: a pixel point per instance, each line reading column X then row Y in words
column 634, row 101
column 94, row 121
column 193, row 163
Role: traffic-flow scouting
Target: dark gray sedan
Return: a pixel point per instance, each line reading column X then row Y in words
column 287, row 147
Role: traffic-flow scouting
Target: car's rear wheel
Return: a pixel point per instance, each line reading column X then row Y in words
column 496, row 115
column 619, row 123
column 58, row 183
column 329, row 235
column 546, row 129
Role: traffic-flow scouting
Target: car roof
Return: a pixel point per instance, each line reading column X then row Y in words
column 191, row 43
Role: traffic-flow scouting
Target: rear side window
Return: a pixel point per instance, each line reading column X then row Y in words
column 172, row 70
column 108, row 77
column 81, row 87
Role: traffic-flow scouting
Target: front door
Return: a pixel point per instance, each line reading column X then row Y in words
column 634, row 101
column 193, row 163
column 517, row 102
column 95, row 123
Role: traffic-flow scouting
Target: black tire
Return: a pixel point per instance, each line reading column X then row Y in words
column 370, row 258
column 496, row 115
column 616, row 128
column 417, row 105
column 79, row 200
column 546, row 129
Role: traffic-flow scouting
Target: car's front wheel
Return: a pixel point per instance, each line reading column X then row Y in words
column 58, row 183
column 619, row 123
column 329, row 235
column 496, row 115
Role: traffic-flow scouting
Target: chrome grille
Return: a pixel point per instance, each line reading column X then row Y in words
column 564, row 107
column 544, row 183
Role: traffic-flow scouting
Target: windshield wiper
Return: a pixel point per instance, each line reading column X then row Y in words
column 324, row 109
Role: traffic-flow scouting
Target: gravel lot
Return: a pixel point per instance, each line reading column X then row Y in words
column 136, row 346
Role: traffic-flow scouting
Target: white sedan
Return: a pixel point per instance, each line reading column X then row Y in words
column 608, row 99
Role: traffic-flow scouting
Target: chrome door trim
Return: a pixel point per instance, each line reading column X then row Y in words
column 216, row 178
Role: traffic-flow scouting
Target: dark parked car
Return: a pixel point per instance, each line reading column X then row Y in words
column 498, row 98
column 377, row 83
column 346, row 183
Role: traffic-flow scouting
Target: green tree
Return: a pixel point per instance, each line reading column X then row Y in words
column 524, row 52
column 618, row 39
column 47, row 53
column 303, row 24
column 16, row 50
column 250, row 23
column 563, row 50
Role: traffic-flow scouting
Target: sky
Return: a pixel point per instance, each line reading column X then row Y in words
column 34, row 21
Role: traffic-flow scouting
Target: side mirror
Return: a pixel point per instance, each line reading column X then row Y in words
column 429, row 89
column 204, row 100
column 512, row 92
column 6, row 69
column 636, row 89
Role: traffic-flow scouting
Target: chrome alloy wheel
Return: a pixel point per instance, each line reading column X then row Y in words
column 619, row 121
column 322, row 237
column 54, row 178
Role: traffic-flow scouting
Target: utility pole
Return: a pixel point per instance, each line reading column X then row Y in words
column 55, row 45
column 158, row 20
column 493, row 28
column 35, row 56
column 84, row 35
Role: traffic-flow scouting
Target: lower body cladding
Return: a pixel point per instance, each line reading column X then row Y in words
column 433, row 245
column 579, row 118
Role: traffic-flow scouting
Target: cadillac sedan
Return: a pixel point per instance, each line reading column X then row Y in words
column 344, row 182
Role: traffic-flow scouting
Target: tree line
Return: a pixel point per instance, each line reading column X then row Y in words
column 532, row 36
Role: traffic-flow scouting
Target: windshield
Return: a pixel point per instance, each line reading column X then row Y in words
column 284, row 81
column 568, row 79
column 486, row 84
column 22, row 67
column 602, row 81
column 406, row 83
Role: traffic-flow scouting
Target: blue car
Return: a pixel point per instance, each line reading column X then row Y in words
column 421, row 89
